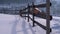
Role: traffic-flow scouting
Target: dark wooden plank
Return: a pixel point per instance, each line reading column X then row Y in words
column 42, row 26
column 41, row 5
column 47, row 16
column 40, row 15
column 38, row 6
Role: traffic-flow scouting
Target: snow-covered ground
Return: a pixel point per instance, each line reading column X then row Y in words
column 14, row 24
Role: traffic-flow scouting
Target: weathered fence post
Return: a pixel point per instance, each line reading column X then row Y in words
column 20, row 12
column 28, row 11
column 47, row 15
column 25, row 15
column 33, row 7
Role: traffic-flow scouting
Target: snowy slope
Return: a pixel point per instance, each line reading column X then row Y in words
column 14, row 24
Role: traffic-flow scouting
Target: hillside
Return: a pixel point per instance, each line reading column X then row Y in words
column 14, row 24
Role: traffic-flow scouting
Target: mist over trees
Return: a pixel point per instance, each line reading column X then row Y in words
column 55, row 8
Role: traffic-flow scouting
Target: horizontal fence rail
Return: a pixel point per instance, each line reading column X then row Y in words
column 46, row 15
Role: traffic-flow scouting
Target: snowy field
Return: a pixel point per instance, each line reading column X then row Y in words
column 14, row 24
